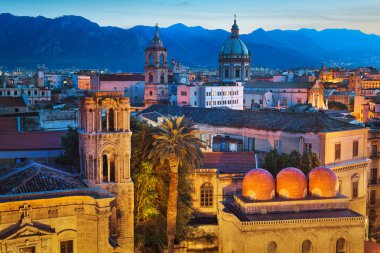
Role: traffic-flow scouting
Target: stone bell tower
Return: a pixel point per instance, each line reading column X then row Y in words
column 156, row 72
column 105, row 151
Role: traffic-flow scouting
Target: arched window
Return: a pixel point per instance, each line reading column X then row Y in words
column 226, row 74
column 355, row 186
column 272, row 247
column 105, row 168
column 162, row 60
column 306, row 246
column 150, row 78
column 206, row 195
column 162, row 78
column 112, row 171
column 113, row 222
column 151, row 59
column 247, row 72
column 341, row 246
column 111, row 120
column 150, row 93
column 237, row 72
column 104, row 119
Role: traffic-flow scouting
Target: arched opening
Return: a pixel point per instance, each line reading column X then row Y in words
column 162, row 78
column 226, row 72
column 112, row 171
column 111, row 120
column 237, row 72
column 150, row 93
column 104, row 119
column 105, row 168
column 341, row 245
column 162, row 60
column 272, row 247
column 206, row 195
column 151, row 59
column 306, row 246
column 113, row 222
column 150, row 78
column 91, row 168
column 247, row 72
column 316, row 100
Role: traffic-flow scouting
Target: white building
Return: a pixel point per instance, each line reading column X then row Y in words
column 212, row 95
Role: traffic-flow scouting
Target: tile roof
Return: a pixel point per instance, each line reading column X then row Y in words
column 12, row 102
column 8, row 124
column 230, row 162
column 121, row 77
column 32, row 177
column 273, row 120
column 30, row 140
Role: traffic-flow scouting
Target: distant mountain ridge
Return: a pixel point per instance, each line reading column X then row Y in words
column 73, row 41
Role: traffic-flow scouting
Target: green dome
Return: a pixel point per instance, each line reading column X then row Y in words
column 234, row 46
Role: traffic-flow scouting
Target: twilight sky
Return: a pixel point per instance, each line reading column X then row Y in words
column 251, row 14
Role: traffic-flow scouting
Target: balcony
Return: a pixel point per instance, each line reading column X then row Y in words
column 374, row 135
column 375, row 155
column 373, row 181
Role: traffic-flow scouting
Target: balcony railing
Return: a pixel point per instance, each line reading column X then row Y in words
column 375, row 155
column 373, row 181
column 374, row 135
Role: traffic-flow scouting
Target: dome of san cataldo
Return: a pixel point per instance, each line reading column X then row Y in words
column 258, row 184
column 291, row 183
column 322, row 182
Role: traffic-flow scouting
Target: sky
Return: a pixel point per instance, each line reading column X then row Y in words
column 212, row 14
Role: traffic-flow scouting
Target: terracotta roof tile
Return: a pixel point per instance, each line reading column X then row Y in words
column 230, row 162
column 12, row 102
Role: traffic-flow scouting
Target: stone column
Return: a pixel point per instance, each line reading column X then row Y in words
column 123, row 112
column 100, row 169
column 116, row 120
column 108, row 120
column 93, row 122
column 103, row 229
column 108, row 167
column 128, row 118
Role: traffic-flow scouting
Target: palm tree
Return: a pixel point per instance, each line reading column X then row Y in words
column 175, row 141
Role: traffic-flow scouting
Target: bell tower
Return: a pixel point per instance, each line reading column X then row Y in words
column 156, row 72
column 105, row 151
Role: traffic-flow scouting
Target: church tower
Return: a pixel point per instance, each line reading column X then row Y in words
column 156, row 72
column 105, row 151
column 234, row 58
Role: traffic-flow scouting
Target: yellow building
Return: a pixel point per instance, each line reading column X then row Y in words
column 48, row 209
column 292, row 214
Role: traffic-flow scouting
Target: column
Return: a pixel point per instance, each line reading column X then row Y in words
column 93, row 122
column 128, row 118
column 100, row 120
column 123, row 112
column 108, row 120
column 116, row 120
column 100, row 170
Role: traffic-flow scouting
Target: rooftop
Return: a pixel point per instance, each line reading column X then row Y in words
column 33, row 180
column 121, row 77
column 279, row 85
column 272, row 120
column 12, row 102
column 230, row 162
column 30, row 140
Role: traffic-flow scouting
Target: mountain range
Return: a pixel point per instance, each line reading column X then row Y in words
column 73, row 41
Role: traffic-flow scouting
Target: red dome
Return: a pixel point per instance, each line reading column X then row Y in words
column 322, row 182
column 291, row 183
column 258, row 184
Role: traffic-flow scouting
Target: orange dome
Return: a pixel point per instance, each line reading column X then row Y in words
column 258, row 184
column 322, row 182
column 291, row 183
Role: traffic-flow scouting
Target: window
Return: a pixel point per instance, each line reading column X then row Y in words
column 374, row 150
column 306, row 246
column 150, row 93
column 183, row 93
column 226, row 73
column 341, row 246
column 150, row 59
column 307, row 147
column 284, row 102
column 278, row 146
column 105, row 168
column 28, row 250
column 206, row 195
column 251, row 144
column 299, row 101
column 15, row 92
column 162, row 60
column 150, row 78
column 337, row 151
column 372, row 197
column 237, row 73
column 355, row 149
column 272, row 247
column 355, row 188
column 373, row 176
column 67, row 246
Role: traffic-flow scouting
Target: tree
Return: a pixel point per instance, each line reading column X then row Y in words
column 176, row 142
column 309, row 160
column 70, row 157
column 275, row 162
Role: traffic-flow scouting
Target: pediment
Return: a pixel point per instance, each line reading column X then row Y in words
column 28, row 230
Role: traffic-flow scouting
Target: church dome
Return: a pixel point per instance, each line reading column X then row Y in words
column 234, row 46
column 291, row 183
column 258, row 184
column 322, row 182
